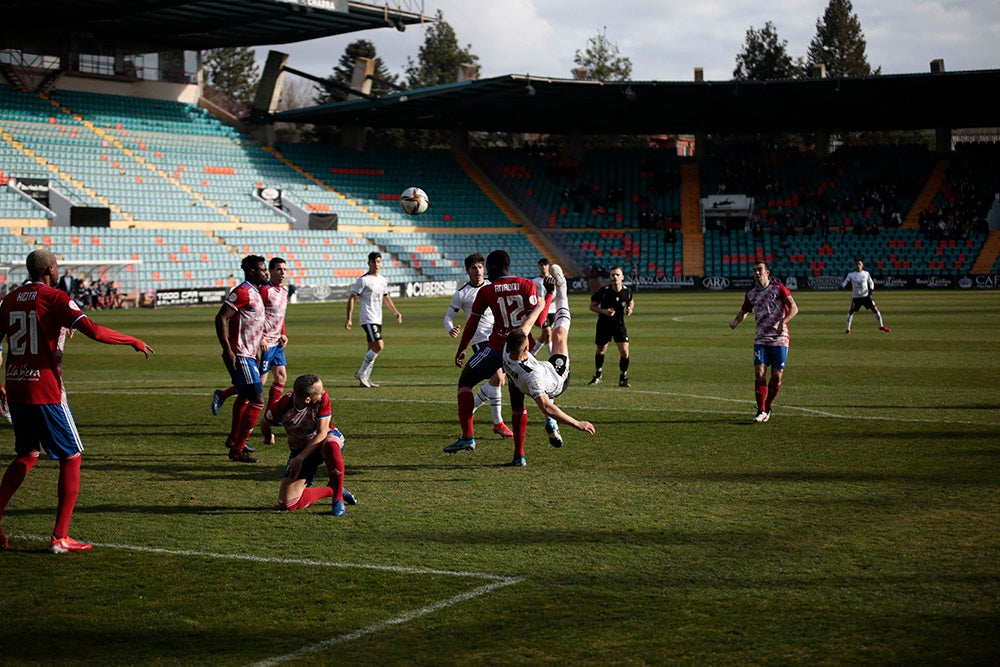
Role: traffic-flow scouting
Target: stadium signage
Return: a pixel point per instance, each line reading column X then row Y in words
column 824, row 282
column 36, row 188
column 715, row 283
column 190, row 297
column 431, row 288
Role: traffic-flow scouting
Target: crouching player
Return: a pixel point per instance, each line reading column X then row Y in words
column 305, row 413
column 542, row 380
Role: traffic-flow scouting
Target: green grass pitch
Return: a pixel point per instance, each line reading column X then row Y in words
column 860, row 525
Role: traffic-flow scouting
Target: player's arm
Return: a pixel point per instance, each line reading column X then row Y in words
column 392, row 306
column 322, row 430
column 630, row 307
column 740, row 316
column 595, row 307
column 550, row 409
column 471, row 325
column 222, row 333
column 108, row 336
column 350, row 310
column 793, row 310
column 449, row 321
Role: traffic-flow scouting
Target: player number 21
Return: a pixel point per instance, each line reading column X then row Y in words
column 23, row 325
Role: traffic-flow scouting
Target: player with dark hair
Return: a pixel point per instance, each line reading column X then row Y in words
column 612, row 304
column 542, row 380
column 239, row 326
column 305, row 412
column 371, row 289
column 862, row 286
column 774, row 308
column 35, row 319
column 274, row 294
column 512, row 301
column 489, row 392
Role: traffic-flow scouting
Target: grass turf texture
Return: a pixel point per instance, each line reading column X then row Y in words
column 858, row 526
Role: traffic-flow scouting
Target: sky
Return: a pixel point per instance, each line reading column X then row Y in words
column 666, row 40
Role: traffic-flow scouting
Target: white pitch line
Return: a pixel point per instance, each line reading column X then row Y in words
column 378, row 627
column 497, row 581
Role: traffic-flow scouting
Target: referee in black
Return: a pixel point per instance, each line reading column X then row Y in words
column 612, row 303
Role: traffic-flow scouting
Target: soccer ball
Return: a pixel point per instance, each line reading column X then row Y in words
column 414, row 201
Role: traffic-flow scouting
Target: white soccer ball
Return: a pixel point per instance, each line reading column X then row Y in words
column 414, row 201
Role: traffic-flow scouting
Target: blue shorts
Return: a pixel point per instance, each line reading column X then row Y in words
column 483, row 364
column 275, row 356
column 49, row 427
column 770, row 355
column 246, row 373
column 309, row 467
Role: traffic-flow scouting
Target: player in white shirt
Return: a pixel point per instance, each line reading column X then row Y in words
column 542, row 380
column 489, row 392
column 862, row 286
column 371, row 290
column 544, row 338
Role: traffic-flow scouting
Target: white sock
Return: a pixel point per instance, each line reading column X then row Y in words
column 482, row 396
column 496, row 402
column 850, row 318
column 366, row 365
column 538, row 346
column 878, row 318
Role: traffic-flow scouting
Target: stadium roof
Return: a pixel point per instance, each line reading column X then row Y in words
column 187, row 24
column 521, row 103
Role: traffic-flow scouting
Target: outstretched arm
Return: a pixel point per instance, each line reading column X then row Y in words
column 550, row 409
column 103, row 334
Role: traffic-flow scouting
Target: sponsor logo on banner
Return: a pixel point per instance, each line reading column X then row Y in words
column 715, row 282
column 191, row 297
column 991, row 281
column 824, row 282
column 891, row 282
column 431, row 288
column 934, row 282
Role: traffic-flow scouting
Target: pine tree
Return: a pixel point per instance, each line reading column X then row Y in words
column 765, row 56
column 839, row 43
column 602, row 60
column 344, row 70
column 233, row 71
column 440, row 56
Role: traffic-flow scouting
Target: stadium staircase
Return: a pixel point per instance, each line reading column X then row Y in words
column 691, row 228
column 933, row 185
column 989, row 255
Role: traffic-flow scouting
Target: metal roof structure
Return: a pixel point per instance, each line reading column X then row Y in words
column 521, row 103
column 60, row 26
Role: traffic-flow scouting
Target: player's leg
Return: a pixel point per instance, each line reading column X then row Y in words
column 332, row 454
column 623, row 362
column 246, row 409
column 878, row 318
column 495, row 396
column 296, row 493
column 375, row 347
column 850, row 316
column 519, row 420
column 602, row 349
column 481, row 366
column 60, row 439
column 760, row 381
column 279, row 374
column 25, row 421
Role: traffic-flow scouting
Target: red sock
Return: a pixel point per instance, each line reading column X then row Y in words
column 239, row 407
column 466, row 401
column 773, row 387
column 335, row 467
column 14, row 476
column 520, row 423
column 760, row 389
column 276, row 392
column 247, row 421
column 310, row 496
column 69, row 489
column 228, row 392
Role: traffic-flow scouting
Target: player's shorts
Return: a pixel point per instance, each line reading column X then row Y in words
column 246, row 373
column 274, row 356
column 560, row 364
column 770, row 355
column 373, row 332
column 49, row 427
column 610, row 331
column 483, row 364
column 859, row 302
column 309, row 467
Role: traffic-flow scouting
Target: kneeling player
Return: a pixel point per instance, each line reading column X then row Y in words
column 305, row 413
column 542, row 380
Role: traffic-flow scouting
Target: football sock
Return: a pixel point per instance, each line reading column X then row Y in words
column 465, row 401
column 773, row 387
column 623, row 366
column 850, row 318
column 239, row 408
column 275, row 394
column 334, row 467
column 538, row 346
column 14, row 476
column 482, row 397
column 248, row 420
column 68, row 490
column 878, row 318
column 366, row 365
column 228, row 392
column 760, row 389
column 520, row 424
column 496, row 402
column 309, row 497
column 598, row 364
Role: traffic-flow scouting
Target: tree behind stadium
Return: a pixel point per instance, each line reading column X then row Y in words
column 234, row 72
column 839, row 43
